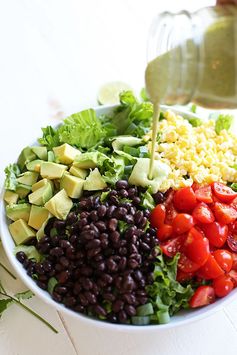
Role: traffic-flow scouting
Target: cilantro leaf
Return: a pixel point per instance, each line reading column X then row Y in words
column 223, row 122
column 25, row 295
column 4, row 303
column 11, row 171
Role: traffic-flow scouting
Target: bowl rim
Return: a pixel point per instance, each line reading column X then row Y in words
column 190, row 315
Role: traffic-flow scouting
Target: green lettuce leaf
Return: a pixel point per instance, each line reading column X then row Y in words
column 132, row 117
column 11, row 171
column 223, row 122
column 50, row 137
column 82, row 129
column 167, row 294
column 30, row 251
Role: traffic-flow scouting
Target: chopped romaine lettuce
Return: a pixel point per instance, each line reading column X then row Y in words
column 11, row 171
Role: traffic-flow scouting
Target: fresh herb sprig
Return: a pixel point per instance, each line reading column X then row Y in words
column 6, row 300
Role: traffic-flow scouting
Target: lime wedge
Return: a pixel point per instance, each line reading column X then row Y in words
column 109, row 93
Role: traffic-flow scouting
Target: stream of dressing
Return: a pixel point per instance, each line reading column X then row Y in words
column 155, row 120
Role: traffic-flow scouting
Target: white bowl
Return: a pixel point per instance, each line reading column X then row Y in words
column 183, row 317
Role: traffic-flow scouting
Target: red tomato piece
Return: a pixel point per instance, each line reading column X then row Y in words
column 171, row 213
column 223, row 285
column 195, row 186
column 233, row 275
column 172, row 246
column 203, row 213
column 232, row 242
column 187, row 265
column 196, row 247
column 182, row 223
column 211, row 269
column 234, row 203
column 223, row 192
column 203, row 296
column 224, row 214
column 224, row 259
column 204, row 194
column 185, row 199
column 164, row 232
column 184, row 276
column 169, row 195
column 216, row 233
column 234, row 258
column 157, row 216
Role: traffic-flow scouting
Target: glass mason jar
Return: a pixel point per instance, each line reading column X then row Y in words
column 192, row 57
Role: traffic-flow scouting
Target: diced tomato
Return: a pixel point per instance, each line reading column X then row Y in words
column 234, row 203
column 182, row 223
column 203, row 213
column 223, row 192
column 184, row 276
column 171, row 213
column 233, row 275
column 204, row 194
column 187, row 265
column 234, row 258
column 172, row 246
column 211, row 269
column 169, row 195
column 157, row 216
column 196, row 247
column 185, row 199
column 216, row 233
column 203, row 296
column 195, row 186
column 224, row 214
column 232, row 227
column 164, row 232
column 224, row 259
column 223, row 285
column 232, row 242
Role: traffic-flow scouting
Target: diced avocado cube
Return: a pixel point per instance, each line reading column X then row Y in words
column 72, row 185
column 10, row 197
column 65, row 153
column 38, row 215
column 40, row 196
column 51, row 156
column 26, row 155
column 23, row 190
column 41, row 152
column 39, row 184
column 87, row 160
column 94, row 181
column 140, row 174
column 34, row 165
column 81, row 173
column 40, row 233
column 21, row 232
column 21, row 211
column 28, row 178
column 59, row 205
column 51, row 170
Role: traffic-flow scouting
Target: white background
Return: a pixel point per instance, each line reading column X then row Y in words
column 54, row 55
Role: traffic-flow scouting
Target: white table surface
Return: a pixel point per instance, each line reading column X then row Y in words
column 54, row 55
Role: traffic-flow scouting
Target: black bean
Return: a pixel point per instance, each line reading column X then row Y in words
column 59, row 225
column 83, row 300
column 129, row 298
column 101, row 226
column 128, row 283
column 94, row 216
column 122, row 316
column 63, row 276
column 64, row 243
column 129, row 219
column 131, row 192
column 109, row 297
column 92, row 252
column 120, row 212
column 121, row 184
column 71, row 218
column 143, row 223
column 108, row 279
column 145, row 247
column 133, row 264
column 47, row 265
column 138, row 217
column 86, row 270
column 44, row 248
column 57, row 251
column 39, row 268
column 112, row 224
column 73, row 239
column 88, row 234
column 110, row 211
column 123, row 251
column 61, row 290
column 54, row 240
column 122, row 263
column 42, row 284
column 117, row 305
column 57, row 297
column 130, row 310
column 159, row 197
column 112, row 318
column 100, row 311
column 112, row 265
column 101, row 266
column 102, row 211
column 114, row 236
column 87, row 283
column 95, row 243
column 69, row 301
column 79, row 308
column 123, row 193
column 21, row 256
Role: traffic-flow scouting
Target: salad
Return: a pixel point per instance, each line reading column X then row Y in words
column 102, row 238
